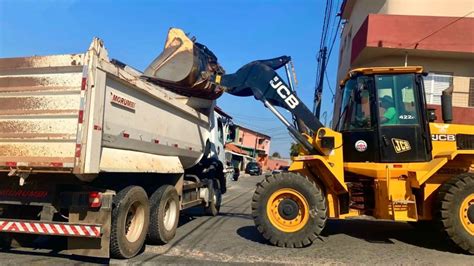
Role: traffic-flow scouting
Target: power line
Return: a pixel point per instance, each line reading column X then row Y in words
column 323, row 55
column 329, row 85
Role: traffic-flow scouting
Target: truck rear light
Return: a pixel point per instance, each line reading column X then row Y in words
column 95, row 199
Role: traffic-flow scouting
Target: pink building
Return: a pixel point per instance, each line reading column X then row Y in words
column 252, row 145
column 276, row 163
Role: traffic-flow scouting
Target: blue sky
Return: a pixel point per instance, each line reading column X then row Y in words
column 134, row 32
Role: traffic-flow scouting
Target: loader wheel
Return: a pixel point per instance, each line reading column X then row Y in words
column 289, row 210
column 215, row 203
column 130, row 218
column 454, row 212
column 164, row 215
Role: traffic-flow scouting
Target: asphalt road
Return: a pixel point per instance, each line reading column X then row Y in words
column 232, row 238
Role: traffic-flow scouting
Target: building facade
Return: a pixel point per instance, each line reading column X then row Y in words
column 277, row 163
column 248, row 145
column 435, row 34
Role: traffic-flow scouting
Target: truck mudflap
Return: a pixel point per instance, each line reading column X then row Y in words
column 50, row 228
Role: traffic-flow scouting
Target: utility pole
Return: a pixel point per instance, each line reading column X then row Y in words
column 318, row 93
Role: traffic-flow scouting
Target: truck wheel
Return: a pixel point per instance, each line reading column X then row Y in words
column 289, row 210
column 215, row 204
column 130, row 218
column 454, row 211
column 164, row 215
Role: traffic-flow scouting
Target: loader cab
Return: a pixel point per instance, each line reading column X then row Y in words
column 383, row 117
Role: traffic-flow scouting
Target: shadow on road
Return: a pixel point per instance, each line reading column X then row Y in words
column 372, row 231
column 54, row 254
column 384, row 231
column 236, row 215
column 251, row 233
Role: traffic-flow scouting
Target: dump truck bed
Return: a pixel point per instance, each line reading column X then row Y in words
column 85, row 114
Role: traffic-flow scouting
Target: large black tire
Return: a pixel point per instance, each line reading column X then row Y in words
column 164, row 215
column 450, row 215
column 284, row 190
column 130, row 218
column 214, row 205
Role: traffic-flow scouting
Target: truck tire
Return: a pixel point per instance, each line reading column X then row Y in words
column 164, row 215
column 289, row 210
column 130, row 218
column 454, row 211
column 214, row 205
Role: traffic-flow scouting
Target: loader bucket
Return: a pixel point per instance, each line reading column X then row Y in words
column 185, row 67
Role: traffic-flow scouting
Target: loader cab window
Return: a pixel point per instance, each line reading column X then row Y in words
column 396, row 99
column 355, row 109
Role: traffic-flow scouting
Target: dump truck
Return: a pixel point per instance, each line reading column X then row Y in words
column 385, row 158
column 99, row 156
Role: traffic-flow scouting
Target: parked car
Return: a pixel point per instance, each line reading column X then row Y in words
column 253, row 168
column 280, row 169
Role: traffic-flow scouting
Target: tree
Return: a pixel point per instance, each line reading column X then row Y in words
column 276, row 155
column 294, row 149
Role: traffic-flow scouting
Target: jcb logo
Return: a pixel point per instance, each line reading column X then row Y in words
column 443, row 137
column 284, row 92
column 401, row 145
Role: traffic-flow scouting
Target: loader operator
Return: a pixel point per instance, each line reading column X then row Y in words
column 390, row 115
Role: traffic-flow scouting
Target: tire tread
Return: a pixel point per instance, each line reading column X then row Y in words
column 445, row 202
column 289, row 241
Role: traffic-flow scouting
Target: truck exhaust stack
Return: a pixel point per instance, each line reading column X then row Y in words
column 185, row 67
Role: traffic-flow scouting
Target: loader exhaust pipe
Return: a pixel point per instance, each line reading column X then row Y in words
column 447, row 105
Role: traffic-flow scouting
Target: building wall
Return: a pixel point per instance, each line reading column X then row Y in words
column 459, row 114
column 251, row 139
column 445, row 8
column 275, row 163
column 353, row 21
column 252, row 145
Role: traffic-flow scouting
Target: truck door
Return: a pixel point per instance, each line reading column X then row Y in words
column 401, row 123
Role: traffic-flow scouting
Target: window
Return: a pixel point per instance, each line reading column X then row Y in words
column 471, row 93
column 355, row 108
column 435, row 83
column 396, row 96
column 220, row 131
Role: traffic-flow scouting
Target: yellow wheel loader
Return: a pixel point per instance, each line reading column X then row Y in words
column 384, row 158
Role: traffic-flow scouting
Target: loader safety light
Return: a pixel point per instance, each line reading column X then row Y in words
column 95, row 199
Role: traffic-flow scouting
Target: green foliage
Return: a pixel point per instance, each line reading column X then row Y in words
column 294, row 149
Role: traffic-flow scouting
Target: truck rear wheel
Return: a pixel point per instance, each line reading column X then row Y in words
column 130, row 218
column 454, row 212
column 289, row 210
column 164, row 215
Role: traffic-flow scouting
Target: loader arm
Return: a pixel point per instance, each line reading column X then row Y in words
column 260, row 79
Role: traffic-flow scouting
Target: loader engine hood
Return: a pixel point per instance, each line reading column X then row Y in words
column 185, row 67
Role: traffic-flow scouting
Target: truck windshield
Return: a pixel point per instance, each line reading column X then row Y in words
column 396, row 99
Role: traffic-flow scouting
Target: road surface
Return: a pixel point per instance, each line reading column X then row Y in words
column 232, row 238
